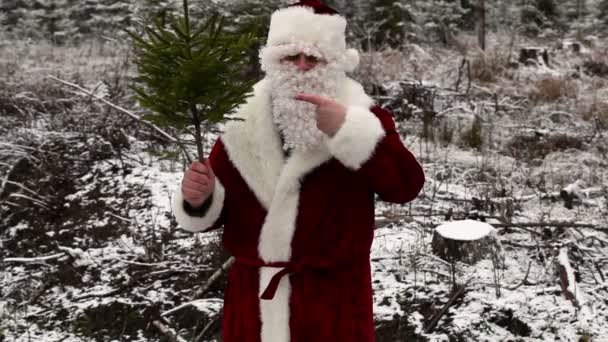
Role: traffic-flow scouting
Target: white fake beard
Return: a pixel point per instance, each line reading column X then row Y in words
column 296, row 120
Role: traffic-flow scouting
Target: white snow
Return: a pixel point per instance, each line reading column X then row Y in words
column 465, row 230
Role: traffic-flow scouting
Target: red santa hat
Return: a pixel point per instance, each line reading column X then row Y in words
column 310, row 27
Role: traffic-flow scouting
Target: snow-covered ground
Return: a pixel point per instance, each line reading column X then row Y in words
column 89, row 250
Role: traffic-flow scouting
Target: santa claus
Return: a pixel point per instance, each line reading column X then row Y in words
column 293, row 185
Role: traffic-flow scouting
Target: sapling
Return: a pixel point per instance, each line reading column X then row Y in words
column 191, row 75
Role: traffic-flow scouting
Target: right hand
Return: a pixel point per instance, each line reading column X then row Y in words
column 198, row 183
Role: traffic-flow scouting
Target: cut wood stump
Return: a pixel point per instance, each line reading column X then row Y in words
column 467, row 241
column 534, row 56
column 571, row 193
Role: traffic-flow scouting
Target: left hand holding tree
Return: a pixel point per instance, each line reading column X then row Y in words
column 330, row 113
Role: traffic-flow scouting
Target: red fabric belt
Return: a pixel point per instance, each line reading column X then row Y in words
column 288, row 268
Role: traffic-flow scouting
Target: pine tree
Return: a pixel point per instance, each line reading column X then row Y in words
column 603, row 11
column 440, row 18
column 547, row 8
column 149, row 10
column 189, row 75
column 395, row 21
column 573, row 9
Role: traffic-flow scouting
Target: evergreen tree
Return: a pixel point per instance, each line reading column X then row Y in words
column 548, row 8
column 441, row 18
column 189, row 75
column 539, row 14
column 10, row 11
column 105, row 17
column 603, row 11
column 573, row 9
column 149, row 10
column 395, row 21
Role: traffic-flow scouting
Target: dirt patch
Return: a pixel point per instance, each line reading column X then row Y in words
column 595, row 68
column 396, row 330
column 56, row 196
column 530, row 146
column 116, row 319
column 507, row 320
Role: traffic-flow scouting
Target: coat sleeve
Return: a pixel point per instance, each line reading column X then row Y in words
column 368, row 143
column 215, row 212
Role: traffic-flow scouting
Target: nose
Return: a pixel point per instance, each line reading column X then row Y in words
column 302, row 63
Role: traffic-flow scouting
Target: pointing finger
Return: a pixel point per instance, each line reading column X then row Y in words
column 314, row 99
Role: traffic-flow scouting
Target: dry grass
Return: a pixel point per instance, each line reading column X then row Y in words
column 487, row 67
column 597, row 110
column 553, row 88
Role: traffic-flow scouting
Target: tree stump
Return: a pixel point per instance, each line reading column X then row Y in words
column 534, row 56
column 467, row 241
column 571, row 46
column 571, row 193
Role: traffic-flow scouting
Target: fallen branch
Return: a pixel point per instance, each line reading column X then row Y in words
column 214, row 277
column 550, row 225
column 166, row 135
column 167, row 332
column 179, row 307
column 120, row 109
column 36, row 259
column 567, row 280
column 10, row 173
column 435, row 319
column 212, row 323
column 124, row 286
column 524, row 281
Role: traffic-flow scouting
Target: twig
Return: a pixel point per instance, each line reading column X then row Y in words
column 550, row 224
column 167, row 332
column 459, row 292
column 520, row 245
column 214, row 277
column 10, row 172
column 120, row 109
column 524, row 281
column 37, row 259
column 208, row 327
column 179, row 307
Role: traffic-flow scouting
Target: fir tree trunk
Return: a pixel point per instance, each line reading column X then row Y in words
column 198, row 137
column 481, row 24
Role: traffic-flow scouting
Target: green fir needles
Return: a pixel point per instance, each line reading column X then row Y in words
column 191, row 75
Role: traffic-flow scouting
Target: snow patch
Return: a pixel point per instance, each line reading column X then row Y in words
column 465, row 230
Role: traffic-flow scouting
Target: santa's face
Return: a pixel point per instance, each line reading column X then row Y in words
column 294, row 74
column 303, row 61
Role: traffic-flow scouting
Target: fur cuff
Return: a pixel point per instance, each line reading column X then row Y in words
column 194, row 223
column 356, row 140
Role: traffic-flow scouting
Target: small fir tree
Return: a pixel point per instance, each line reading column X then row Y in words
column 603, row 11
column 190, row 75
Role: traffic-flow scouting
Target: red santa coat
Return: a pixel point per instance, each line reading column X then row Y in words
column 302, row 228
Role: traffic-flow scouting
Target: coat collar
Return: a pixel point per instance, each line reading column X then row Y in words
column 254, row 146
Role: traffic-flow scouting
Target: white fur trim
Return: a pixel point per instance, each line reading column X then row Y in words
column 280, row 225
column 299, row 29
column 301, row 24
column 254, row 146
column 356, row 140
column 194, row 223
column 275, row 312
column 351, row 60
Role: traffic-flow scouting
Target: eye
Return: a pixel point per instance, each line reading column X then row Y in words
column 311, row 59
column 292, row 58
